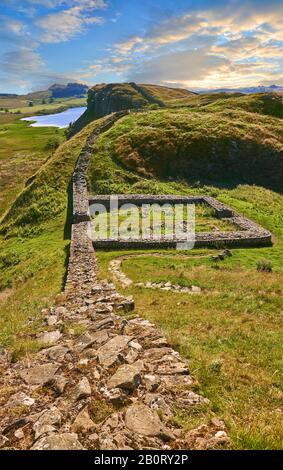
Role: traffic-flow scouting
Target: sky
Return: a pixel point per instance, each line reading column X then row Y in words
column 193, row 44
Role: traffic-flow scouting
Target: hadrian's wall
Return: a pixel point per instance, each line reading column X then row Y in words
column 101, row 380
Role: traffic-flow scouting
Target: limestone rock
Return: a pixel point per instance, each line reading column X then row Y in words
column 50, row 320
column 19, row 399
column 83, row 389
column 65, row 441
column 117, row 397
column 56, row 353
column 195, row 289
column 83, row 423
column 19, row 434
column 140, row 419
column 46, row 422
column 59, row 384
column 39, row 375
column 49, row 338
column 108, row 353
column 128, row 304
column 127, row 377
column 132, row 356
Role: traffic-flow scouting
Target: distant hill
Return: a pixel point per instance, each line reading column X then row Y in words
column 104, row 99
column 248, row 90
column 8, row 95
column 270, row 104
column 69, row 90
column 55, row 92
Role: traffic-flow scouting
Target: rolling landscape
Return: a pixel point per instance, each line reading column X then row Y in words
column 132, row 345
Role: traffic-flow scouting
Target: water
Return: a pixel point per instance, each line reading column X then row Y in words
column 60, row 120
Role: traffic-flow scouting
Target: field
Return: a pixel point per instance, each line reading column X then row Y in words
column 22, row 109
column 23, row 150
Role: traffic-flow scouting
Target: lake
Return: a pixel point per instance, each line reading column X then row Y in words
column 60, row 120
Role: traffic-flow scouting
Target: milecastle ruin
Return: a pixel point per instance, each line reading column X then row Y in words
column 122, row 365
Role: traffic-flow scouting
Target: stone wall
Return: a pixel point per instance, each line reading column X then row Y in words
column 249, row 234
column 102, row 380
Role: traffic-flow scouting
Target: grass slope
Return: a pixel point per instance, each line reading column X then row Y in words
column 228, row 147
column 23, row 150
column 231, row 334
column 34, row 246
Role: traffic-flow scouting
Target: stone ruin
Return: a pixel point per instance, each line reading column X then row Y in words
column 103, row 379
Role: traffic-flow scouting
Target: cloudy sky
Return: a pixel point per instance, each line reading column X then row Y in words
column 195, row 44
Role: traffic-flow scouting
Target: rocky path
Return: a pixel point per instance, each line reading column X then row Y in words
column 115, row 268
column 100, row 381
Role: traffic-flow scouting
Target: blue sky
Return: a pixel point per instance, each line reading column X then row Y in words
column 194, row 44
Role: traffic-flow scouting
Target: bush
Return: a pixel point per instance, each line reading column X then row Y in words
column 52, row 144
column 264, row 266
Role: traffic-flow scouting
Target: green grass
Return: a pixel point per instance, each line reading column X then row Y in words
column 205, row 221
column 34, row 247
column 231, row 334
column 22, row 152
column 57, row 106
column 270, row 104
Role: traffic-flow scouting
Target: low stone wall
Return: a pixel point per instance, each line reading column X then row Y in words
column 80, row 191
column 249, row 234
column 101, row 380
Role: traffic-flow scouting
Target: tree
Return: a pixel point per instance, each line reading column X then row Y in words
column 30, row 104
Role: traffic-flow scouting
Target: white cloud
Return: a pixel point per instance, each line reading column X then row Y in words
column 211, row 48
column 24, row 68
column 63, row 25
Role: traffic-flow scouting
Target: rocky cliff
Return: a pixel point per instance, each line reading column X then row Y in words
column 105, row 99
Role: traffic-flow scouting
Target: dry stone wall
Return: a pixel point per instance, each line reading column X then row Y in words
column 102, row 380
column 249, row 234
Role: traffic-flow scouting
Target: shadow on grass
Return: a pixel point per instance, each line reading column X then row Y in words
column 68, row 230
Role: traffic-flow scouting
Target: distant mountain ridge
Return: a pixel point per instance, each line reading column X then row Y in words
column 54, row 91
column 247, row 90
column 66, row 91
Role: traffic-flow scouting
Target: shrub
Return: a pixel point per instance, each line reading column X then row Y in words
column 264, row 266
column 52, row 144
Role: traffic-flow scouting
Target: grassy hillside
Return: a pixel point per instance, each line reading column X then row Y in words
column 270, row 104
column 34, row 246
column 23, row 150
column 224, row 148
column 231, row 334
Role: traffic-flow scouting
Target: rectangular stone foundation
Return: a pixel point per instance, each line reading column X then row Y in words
column 249, row 234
